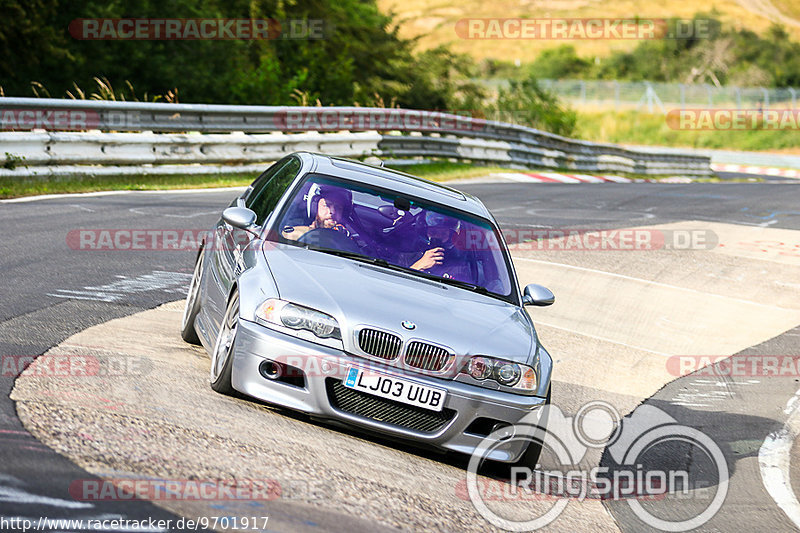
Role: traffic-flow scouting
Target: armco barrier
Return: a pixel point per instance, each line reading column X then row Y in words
column 258, row 134
column 74, row 148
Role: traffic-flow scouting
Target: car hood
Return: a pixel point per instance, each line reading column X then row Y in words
column 359, row 294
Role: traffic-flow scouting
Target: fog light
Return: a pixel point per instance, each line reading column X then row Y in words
column 270, row 369
column 504, row 431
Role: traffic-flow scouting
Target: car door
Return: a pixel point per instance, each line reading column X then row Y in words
column 261, row 197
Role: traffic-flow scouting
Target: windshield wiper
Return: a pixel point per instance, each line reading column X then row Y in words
column 354, row 255
column 454, row 282
column 464, row 285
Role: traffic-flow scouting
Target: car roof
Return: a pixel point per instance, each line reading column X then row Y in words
column 395, row 181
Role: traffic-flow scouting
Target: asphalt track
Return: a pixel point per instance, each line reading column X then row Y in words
column 52, row 292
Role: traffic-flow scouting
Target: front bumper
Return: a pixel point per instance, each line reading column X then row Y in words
column 325, row 366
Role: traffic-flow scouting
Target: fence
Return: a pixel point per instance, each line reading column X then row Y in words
column 352, row 132
column 661, row 97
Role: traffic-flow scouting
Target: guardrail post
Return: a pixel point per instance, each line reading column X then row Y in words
column 766, row 97
column 794, row 97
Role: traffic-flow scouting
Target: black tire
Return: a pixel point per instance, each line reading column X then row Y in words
column 222, row 357
column 531, row 455
column 192, row 305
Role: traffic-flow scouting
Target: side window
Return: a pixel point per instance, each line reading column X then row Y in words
column 263, row 179
column 269, row 188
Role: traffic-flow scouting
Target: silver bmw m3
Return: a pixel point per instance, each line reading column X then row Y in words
column 373, row 298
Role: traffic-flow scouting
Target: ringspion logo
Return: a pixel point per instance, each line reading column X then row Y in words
column 632, row 469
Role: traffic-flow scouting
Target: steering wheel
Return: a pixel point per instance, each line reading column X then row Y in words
column 329, row 238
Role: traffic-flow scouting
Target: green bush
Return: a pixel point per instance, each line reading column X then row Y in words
column 525, row 102
column 716, row 54
column 360, row 59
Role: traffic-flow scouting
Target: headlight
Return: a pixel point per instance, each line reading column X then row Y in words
column 507, row 373
column 297, row 317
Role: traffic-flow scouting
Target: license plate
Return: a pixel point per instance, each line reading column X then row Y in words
column 392, row 388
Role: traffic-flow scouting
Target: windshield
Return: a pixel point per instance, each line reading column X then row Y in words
column 330, row 214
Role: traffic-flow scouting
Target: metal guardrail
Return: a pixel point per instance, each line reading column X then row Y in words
column 354, row 132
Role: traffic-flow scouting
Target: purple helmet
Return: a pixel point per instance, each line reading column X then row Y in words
column 341, row 197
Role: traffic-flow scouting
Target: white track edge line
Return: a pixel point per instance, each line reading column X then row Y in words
column 774, row 461
column 656, row 283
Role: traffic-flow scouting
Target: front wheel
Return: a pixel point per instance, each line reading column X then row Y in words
column 222, row 357
column 192, row 306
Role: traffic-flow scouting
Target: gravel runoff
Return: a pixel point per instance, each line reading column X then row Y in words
column 150, row 412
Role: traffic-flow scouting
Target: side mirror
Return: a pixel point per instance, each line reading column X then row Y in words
column 240, row 217
column 537, row 295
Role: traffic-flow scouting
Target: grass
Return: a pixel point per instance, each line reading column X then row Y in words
column 446, row 170
column 17, row 187
column 634, row 127
column 433, row 23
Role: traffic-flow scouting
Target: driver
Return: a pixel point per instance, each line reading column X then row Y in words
column 439, row 254
column 327, row 208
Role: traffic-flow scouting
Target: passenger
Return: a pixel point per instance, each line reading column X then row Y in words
column 439, row 254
